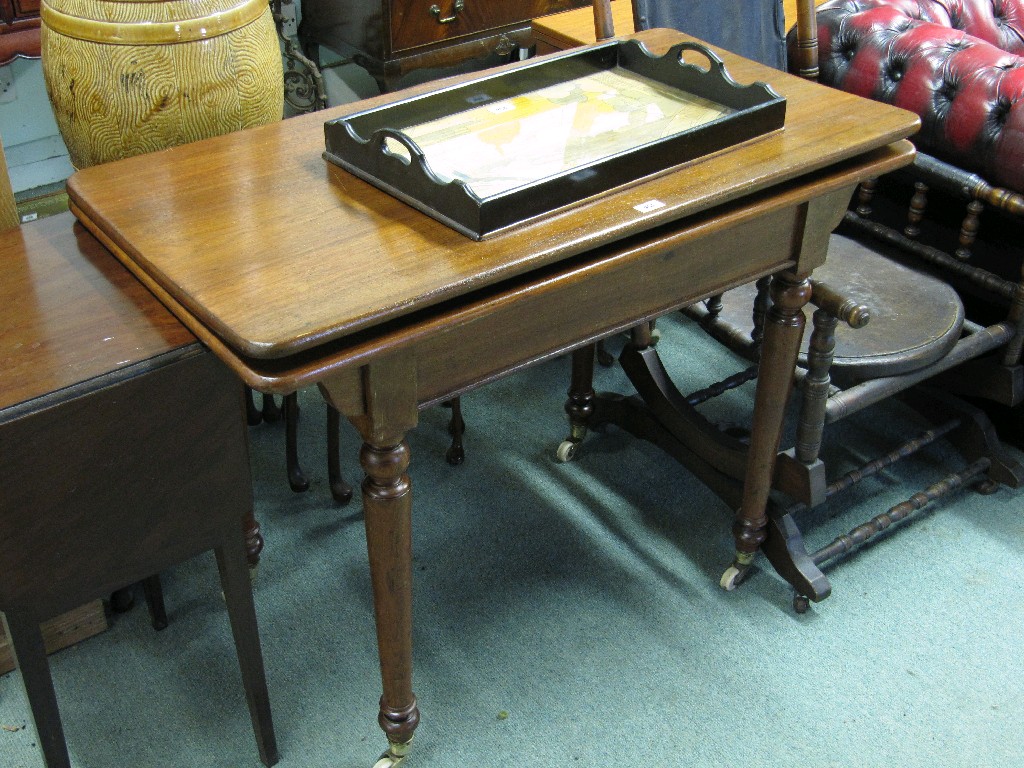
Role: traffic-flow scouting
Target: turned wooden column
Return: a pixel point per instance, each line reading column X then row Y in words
column 380, row 401
column 580, row 403
column 783, row 331
column 387, row 505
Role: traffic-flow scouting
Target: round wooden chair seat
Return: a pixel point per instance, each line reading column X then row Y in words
column 915, row 318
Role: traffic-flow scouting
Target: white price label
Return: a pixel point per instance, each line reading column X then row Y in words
column 650, row 205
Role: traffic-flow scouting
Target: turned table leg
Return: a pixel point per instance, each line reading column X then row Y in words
column 380, row 401
column 783, row 331
column 387, row 505
column 580, row 405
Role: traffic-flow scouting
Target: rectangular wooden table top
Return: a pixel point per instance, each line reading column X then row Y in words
column 70, row 313
column 277, row 253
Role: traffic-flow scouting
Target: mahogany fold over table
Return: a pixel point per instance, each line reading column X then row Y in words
column 295, row 272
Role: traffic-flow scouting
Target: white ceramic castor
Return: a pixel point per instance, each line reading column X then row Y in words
column 735, row 574
column 731, row 578
column 566, row 451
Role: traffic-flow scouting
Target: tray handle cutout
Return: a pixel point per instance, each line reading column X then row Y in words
column 392, row 144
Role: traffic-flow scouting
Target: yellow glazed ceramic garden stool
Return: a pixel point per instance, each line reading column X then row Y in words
column 126, row 78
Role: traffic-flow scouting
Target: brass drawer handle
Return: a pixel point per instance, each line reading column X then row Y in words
column 436, row 11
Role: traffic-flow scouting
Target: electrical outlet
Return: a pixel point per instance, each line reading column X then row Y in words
column 7, row 92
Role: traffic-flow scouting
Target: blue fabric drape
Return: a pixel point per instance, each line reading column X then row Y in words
column 752, row 28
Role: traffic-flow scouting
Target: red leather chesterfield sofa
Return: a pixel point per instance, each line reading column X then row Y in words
column 959, row 64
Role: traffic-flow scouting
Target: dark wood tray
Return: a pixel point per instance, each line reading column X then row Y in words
column 488, row 154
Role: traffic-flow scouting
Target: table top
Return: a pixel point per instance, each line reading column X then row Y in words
column 277, row 252
column 70, row 313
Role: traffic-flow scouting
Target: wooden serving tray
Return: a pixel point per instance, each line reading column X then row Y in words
column 498, row 150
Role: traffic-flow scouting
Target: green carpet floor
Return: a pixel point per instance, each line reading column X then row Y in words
column 569, row 614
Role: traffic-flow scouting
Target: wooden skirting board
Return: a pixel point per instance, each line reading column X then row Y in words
column 60, row 632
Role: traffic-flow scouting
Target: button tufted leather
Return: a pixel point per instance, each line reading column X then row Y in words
column 959, row 64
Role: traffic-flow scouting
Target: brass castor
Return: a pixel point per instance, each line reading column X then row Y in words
column 394, row 756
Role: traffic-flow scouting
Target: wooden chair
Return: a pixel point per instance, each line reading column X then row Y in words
column 122, row 452
column 960, row 208
column 918, row 331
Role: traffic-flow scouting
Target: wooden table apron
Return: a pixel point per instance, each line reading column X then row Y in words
column 498, row 305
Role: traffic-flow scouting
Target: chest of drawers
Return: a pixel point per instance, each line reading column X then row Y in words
column 19, row 30
column 390, row 38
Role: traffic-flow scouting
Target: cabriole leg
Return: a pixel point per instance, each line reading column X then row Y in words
column 340, row 490
column 456, row 453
